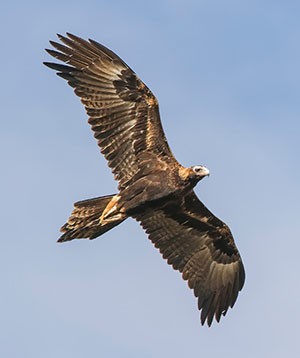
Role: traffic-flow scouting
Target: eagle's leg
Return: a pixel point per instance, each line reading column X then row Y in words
column 112, row 211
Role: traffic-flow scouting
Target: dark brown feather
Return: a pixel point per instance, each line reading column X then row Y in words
column 201, row 246
column 123, row 112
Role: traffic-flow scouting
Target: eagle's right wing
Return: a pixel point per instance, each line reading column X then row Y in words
column 123, row 112
column 200, row 246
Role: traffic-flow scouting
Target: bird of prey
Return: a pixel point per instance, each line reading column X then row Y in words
column 153, row 187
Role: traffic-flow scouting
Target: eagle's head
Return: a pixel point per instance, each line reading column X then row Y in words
column 193, row 174
column 200, row 171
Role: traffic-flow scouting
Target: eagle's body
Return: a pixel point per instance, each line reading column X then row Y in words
column 153, row 187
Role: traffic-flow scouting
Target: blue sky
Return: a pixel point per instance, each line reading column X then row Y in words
column 227, row 77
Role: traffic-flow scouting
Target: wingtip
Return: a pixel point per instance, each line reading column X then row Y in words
column 72, row 36
column 64, row 231
column 63, row 238
column 48, row 49
column 207, row 321
column 48, row 64
column 52, row 43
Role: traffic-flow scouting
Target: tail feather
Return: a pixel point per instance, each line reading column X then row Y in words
column 85, row 223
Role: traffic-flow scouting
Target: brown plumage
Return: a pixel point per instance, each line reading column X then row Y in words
column 153, row 187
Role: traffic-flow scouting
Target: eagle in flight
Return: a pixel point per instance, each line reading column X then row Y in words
column 153, row 187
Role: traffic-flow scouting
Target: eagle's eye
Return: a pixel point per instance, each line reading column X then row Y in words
column 197, row 169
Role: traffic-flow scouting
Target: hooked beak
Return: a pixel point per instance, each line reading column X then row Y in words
column 204, row 172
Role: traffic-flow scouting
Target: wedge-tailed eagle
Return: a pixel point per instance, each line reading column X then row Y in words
column 153, row 187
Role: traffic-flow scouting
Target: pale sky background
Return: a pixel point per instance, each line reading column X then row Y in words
column 227, row 77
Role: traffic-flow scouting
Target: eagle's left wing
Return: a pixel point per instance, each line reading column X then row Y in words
column 201, row 246
column 123, row 112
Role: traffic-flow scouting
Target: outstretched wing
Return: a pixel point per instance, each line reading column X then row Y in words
column 123, row 113
column 200, row 246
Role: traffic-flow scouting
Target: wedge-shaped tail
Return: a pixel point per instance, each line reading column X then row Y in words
column 88, row 219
